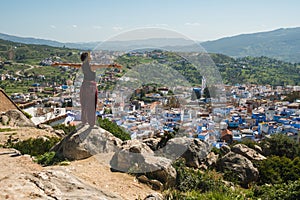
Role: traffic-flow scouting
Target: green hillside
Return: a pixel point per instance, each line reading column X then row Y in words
column 33, row 54
column 282, row 44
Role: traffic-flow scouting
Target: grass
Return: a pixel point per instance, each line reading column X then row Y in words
column 6, row 129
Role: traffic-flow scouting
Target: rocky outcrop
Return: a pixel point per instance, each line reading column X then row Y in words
column 50, row 184
column 249, row 153
column 15, row 118
column 225, row 149
column 87, row 141
column 136, row 157
column 239, row 168
column 152, row 143
column 193, row 150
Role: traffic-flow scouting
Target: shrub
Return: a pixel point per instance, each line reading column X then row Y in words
column 189, row 179
column 113, row 128
column 281, row 145
column 35, row 147
column 66, row 129
column 277, row 170
column 290, row 190
column 49, row 158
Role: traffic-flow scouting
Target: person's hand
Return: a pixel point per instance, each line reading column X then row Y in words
column 116, row 65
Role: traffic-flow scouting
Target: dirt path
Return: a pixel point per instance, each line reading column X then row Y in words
column 96, row 171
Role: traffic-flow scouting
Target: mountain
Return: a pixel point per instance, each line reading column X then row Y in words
column 283, row 44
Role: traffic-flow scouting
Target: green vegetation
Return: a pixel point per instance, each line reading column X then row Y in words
column 112, row 127
column 6, row 129
column 34, row 54
column 49, row 158
column 279, row 176
column 34, row 147
column 194, row 184
column 66, row 129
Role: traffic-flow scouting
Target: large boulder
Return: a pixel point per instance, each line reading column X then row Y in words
column 238, row 168
column 135, row 156
column 193, row 150
column 249, row 153
column 87, row 141
column 130, row 157
column 16, row 118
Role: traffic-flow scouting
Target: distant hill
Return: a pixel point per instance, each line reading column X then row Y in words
column 282, row 44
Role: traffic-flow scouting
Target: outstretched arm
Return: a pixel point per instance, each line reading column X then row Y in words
column 93, row 67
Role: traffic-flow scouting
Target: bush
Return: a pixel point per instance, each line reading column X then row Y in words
column 281, row 145
column 189, row 179
column 66, row 129
column 290, row 190
column 113, row 128
column 49, row 158
column 34, row 147
column 277, row 170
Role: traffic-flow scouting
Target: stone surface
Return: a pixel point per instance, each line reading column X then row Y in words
column 45, row 127
column 50, row 184
column 87, row 141
column 211, row 159
column 136, row 157
column 16, row 118
column 193, row 150
column 152, row 143
column 225, row 149
column 4, row 120
column 249, row 153
column 239, row 167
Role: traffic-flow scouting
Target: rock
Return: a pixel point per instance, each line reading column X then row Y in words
column 239, row 168
column 17, row 118
column 45, row 127
column 249, row 153
column 160, row 168
column 211, row 159
column 59, row 133
column 225, row 149
column 192, row 150
column 130, row 157
column 86, row 142
column 258, row 149
column 136, row 157
column 156, row 185
column 50, row 184
column 4, row 120
column 143, row 179
column 154, row 197
column 152, row 143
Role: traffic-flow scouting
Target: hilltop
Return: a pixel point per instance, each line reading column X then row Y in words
column 282, row 44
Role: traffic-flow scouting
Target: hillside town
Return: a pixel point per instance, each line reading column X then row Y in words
column 248, row 111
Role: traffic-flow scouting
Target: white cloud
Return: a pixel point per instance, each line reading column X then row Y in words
column 192, row 24
column 117, row 28
column 52, row 26
column 74, row 26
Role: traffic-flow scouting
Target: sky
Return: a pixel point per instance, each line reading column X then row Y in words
column 99, row 20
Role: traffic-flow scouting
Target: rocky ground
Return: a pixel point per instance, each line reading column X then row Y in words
column 91, row 178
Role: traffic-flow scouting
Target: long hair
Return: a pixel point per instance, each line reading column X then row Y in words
column 84, row 56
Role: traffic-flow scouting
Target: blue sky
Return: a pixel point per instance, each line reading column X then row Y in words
column 98, row 20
